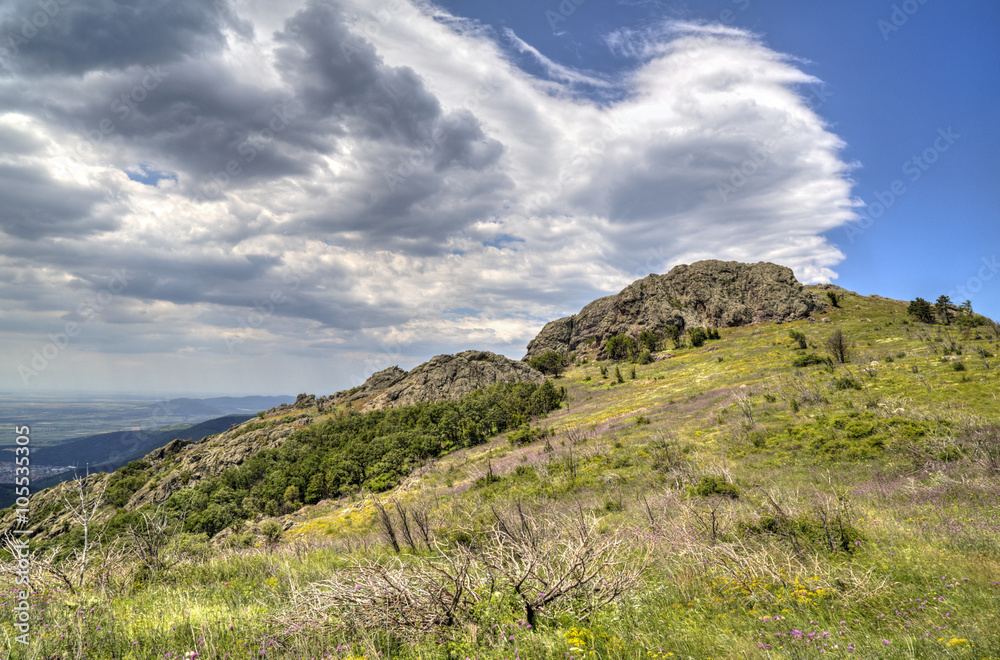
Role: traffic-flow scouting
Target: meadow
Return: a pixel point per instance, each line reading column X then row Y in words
column 720, row 503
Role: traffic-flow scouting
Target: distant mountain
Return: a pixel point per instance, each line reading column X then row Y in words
column 106, row 452
column 192, row 410
column 122, row 446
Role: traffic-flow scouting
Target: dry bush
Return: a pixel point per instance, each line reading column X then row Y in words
column 408, row 598
column 541, row 563
column 545, row 560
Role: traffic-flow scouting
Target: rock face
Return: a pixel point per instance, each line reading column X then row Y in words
column 443, row 377
column 713, row 294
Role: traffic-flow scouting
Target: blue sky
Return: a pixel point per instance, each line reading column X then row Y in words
column 893, row 74
column 250, row 197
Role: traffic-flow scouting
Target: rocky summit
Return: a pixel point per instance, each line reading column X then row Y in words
column 711, row 294
column 442, row 378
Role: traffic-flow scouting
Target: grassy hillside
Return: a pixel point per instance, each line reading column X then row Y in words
column 720, row 503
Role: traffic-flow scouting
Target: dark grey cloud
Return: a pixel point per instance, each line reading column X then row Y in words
column 75, row 37
column 36, row 206
column 338, row 74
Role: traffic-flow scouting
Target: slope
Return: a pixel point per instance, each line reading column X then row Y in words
column 775, row 510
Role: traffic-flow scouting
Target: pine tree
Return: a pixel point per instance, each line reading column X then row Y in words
column 921, row 310
column 944, row 313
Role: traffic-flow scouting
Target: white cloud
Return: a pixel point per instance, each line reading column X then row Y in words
column 428, row 197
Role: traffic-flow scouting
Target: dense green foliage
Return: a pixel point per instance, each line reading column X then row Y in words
column 357, row 451
column 921, row 310
column 649, row 340
column 550, row 363
column 621, row 347
column 809, row 359
column 715, row 485
column 799, row 338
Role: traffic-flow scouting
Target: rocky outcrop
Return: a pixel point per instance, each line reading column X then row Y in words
column 443, row 377
column 714, row 294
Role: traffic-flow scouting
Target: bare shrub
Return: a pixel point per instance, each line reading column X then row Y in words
column 983, row 446
column 541, row 563
column 407, row 598
column 87, row 497
column 838, row 347
column 744, row 400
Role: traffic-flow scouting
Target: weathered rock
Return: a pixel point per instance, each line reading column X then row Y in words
column 712, row 294
column 443, row 377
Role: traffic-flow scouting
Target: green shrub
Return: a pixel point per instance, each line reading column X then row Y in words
column 799, row 338
column 809, row 359
column 649, row 340
column 673, row 333
column 621, row 347
column 525, row 435
column 697, row 336
column 645, row 357
column 549, row 363
column 714, row 485
column 830, row 532
column 846, row 383
column 271, row 531
column 958, row 366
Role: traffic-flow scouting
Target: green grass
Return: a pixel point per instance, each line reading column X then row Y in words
column 783, row 515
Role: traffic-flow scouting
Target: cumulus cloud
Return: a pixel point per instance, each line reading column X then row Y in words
column 372, row 182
